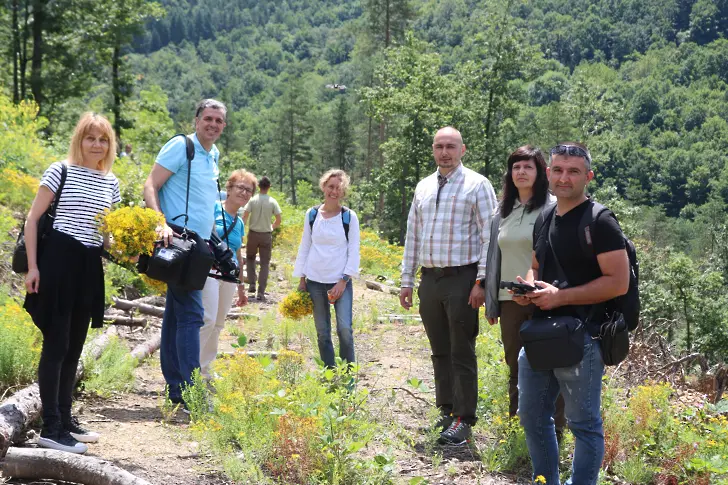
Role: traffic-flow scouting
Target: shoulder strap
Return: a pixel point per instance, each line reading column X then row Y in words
column 57, row 196
column 346, row 220
column 563, row 280
column 312, row 215
column 586, row 224
column 190, row 155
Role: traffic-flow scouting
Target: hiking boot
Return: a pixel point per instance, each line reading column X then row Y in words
column 251, row 289
column 57, row 438
column 179, row 400
column 443, row 423
column 456, row 434
column 80, row 434
column 261, row 297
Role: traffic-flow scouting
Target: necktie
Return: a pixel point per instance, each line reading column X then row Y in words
column 441, row 181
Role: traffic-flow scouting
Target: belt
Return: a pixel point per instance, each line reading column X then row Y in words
column 448, row 270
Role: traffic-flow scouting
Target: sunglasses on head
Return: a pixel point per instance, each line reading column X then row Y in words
column 570, row 150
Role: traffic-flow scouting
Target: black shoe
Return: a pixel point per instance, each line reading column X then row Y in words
column 261, row 297
column 80, row 434
column 443, row 423
column 57, row 438
column 456, row 434
column 251, row 289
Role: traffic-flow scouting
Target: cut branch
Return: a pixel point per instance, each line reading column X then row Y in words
column 147, row 348
column 35, row 464
column 128, row 321
column 373, row 285
column 155, row 311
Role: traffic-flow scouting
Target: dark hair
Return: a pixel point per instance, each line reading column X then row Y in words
column 264, row 183
column 210, row 103
column 540, row 185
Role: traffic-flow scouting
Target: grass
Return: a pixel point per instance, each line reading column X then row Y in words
column 112, row 372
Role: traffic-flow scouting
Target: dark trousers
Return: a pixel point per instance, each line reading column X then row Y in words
column 258, row 242
column 511, row 318
column 63, row 342
column 452, row 326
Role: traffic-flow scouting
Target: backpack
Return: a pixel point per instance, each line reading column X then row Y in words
column 345, row 218
column 628, row 305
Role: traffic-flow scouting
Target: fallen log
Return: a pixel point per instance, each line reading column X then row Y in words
column 127, row 321
column 373, row 285
column 24, row 407
column 36, row 464
column 155, row 311
column 147, row 348
column 236, row 314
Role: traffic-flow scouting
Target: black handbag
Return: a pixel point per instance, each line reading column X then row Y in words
column 552, row 342
column 187, row 259
column 614, row 339
column 45, row 226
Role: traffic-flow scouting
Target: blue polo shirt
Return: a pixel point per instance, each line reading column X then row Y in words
column 203, row 185
column 236, row 235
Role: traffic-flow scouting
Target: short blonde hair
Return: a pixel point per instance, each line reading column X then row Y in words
column 85, row 124
column 241, row 175
column 335, row 172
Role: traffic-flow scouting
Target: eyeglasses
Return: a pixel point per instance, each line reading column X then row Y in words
column 571, row 150
column 243, row 188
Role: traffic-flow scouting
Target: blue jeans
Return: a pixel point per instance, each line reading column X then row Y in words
column 581, row 386
column 180, row 349
column 322, row 318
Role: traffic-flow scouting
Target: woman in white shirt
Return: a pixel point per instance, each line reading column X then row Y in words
column 328, row 257
column 65, row 280
column 525, row 194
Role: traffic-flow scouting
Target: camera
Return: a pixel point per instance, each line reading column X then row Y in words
column 225, row 261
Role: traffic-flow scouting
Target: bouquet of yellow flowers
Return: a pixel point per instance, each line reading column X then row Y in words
column 133, row 230
column 296, row 305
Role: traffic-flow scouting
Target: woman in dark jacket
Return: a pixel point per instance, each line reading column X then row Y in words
column 65, row 280
column 525, row 193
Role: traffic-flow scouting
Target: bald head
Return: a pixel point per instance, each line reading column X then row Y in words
column 449, row 131
column 448, row 149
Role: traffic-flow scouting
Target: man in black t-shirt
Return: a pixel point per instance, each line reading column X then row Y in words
column 591, row 280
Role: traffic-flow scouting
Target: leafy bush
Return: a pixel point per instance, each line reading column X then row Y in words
column 17, row 189
column 20, row 345
column 20, row 145
column 294, row 426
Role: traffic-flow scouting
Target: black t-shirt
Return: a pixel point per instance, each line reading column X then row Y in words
column 580, row 268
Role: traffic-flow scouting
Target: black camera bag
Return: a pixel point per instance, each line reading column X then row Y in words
column 614, row 339
column 552, row 342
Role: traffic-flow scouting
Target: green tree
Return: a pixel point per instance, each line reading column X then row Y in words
column 294, row 131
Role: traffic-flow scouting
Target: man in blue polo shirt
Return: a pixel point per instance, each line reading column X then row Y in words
column 165, row 191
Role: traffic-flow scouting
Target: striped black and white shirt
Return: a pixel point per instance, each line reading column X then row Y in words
column 85, row 195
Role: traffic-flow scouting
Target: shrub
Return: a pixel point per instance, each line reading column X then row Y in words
column 20, row 345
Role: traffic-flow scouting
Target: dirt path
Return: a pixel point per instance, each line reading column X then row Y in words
column 142, row 436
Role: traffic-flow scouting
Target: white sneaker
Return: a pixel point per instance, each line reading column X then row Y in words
column 81, row 434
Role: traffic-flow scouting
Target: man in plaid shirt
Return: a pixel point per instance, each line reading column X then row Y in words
column 448, row 232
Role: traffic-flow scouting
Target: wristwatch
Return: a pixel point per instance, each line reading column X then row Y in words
column 346, row 278
column 480, row 282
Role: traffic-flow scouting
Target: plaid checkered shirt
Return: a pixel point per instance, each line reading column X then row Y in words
column 452, row 229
